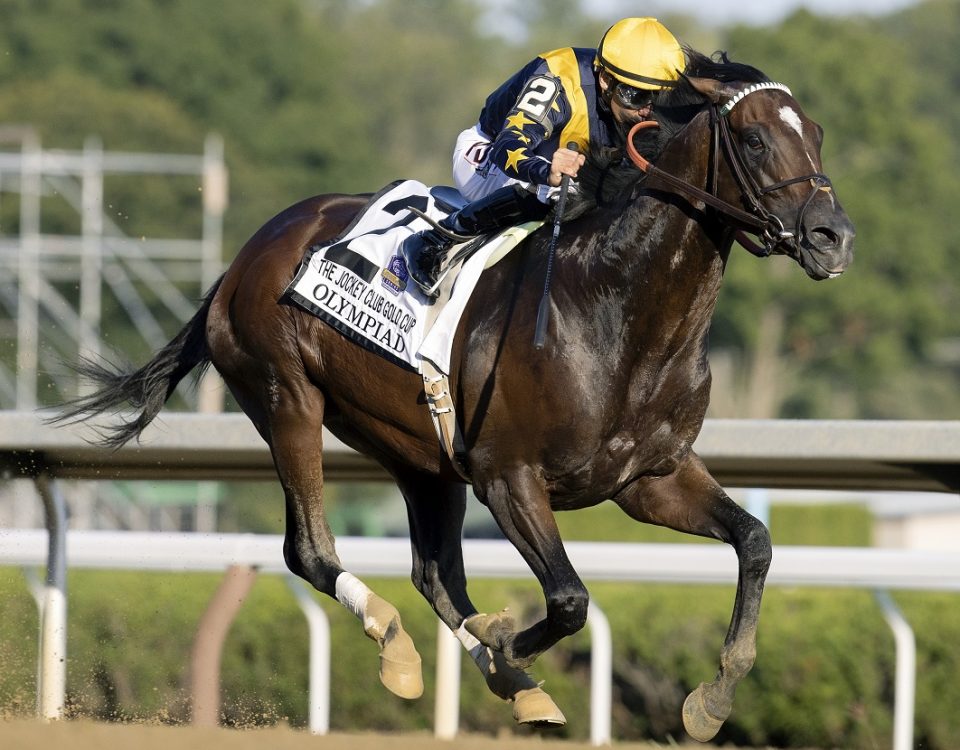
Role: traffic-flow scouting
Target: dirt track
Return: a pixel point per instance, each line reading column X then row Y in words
column 86, row 735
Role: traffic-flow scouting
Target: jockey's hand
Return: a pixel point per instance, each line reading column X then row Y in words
column 565, row 162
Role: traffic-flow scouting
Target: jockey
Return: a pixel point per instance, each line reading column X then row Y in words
column 511, row 163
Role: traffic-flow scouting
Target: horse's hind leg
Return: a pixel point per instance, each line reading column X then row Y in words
column 436, row 508
column 690, row 500
column 295, row 436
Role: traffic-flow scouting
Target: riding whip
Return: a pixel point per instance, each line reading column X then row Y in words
column 543, row 312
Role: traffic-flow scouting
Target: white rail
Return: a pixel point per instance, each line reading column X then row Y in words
column 877, row 569
column 867, row 567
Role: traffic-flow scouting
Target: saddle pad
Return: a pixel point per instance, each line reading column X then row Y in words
column 359, row 285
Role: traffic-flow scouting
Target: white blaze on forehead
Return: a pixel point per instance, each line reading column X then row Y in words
column 790, row 117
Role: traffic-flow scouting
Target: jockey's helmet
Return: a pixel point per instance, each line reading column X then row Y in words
column 641, row 53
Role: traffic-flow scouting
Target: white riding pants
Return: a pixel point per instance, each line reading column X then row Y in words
column 476, row 176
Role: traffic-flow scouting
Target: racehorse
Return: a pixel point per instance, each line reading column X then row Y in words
column 608, row 409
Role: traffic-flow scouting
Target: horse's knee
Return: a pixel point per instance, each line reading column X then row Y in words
column 295, row 563
column 427, row 579
column 755, row 549
column 567, row 610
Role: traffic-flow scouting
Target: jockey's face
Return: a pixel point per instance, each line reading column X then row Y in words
column 631, row 97
column 628, row 116
column 628, row 104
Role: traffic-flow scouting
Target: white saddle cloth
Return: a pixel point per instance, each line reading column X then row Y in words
column 359, row 285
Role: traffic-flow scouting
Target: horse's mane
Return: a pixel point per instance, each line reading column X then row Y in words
column 608, row 176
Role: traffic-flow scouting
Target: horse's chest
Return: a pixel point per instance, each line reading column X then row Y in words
column 617, row 461
column 629, row 455
column 648, row 431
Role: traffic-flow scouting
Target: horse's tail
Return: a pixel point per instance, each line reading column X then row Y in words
column 146, row 389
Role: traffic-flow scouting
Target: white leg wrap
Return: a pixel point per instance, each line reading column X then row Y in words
column 353, row 594
column 478, row 652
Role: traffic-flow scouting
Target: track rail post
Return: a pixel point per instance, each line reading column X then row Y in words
column 905, row 685
column 52, row 603
column 208, row 643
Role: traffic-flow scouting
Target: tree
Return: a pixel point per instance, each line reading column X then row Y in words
column 863, row 345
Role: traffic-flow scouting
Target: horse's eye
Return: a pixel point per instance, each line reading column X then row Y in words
column 754, row 141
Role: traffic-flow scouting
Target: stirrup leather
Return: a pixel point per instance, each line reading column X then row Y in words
column 458, row 238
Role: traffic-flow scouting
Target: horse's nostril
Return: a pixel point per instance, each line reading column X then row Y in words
column 823, row 238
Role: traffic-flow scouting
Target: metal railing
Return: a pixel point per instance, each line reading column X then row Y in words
column 865, row 568
column 772, row 453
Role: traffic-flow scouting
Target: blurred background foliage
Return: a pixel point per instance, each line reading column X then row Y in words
column 316, row 96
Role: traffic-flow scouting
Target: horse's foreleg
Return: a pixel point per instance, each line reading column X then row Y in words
column 520, row 504
column 295, row 431
column 691, row 501
column 436, row 508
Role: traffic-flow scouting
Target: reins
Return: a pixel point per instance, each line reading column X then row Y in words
column 683, row 185
column 766, row 225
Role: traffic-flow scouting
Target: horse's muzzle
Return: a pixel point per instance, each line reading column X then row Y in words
column 824, row 249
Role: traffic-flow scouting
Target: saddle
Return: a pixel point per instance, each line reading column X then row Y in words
column 359, row 285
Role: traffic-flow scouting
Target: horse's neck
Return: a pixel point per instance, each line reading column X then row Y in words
column 672, row 254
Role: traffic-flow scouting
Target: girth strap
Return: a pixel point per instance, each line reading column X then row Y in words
column 436, row 387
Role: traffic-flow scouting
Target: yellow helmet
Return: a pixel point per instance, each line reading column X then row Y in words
column 641, row 53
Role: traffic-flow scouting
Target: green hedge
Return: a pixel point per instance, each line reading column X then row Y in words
column 824, row 674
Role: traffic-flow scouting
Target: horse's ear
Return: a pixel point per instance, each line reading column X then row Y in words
column 716, row 91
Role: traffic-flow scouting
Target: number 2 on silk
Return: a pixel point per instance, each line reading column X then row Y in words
column 537, row 97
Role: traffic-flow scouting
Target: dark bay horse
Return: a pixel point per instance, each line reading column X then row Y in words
column 608, row 410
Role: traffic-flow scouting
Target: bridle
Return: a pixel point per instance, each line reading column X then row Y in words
column 767, row 226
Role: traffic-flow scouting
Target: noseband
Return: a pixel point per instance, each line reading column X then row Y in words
column 766, row 225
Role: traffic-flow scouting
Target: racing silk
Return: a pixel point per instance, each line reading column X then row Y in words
column 550, row 102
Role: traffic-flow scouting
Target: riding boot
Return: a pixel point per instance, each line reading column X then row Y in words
column 425, row 251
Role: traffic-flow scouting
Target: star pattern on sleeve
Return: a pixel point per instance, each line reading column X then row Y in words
column 518, row 121
column 514, row 157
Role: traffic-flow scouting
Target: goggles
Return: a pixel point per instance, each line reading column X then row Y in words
column 632, row 97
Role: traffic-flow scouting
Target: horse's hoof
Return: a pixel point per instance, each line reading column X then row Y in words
column 534, row 706
column 400, row 670
column 698, row 722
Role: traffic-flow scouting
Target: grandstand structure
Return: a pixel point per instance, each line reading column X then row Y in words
column 63, row 294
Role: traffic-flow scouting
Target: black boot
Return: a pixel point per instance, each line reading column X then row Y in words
column 424, row 252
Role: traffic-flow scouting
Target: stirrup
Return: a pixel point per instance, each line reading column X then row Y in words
column 433, row 291
column 453, row 259
column 414, row 261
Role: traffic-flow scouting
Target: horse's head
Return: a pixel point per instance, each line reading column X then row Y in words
column 772, row 154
